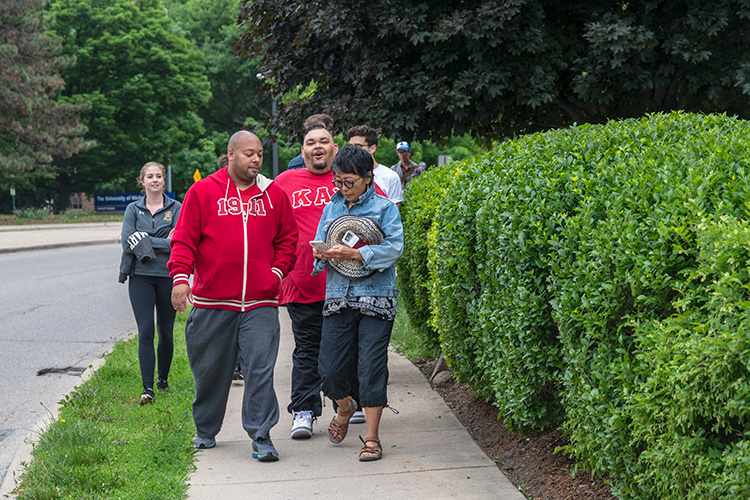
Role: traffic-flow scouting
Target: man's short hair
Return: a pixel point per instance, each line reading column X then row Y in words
column 353, row 160
column 320, row 119
column 315, row 126
column 366, row 131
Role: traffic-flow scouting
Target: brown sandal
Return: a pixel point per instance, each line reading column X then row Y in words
column 370, row 453
column 336, row 431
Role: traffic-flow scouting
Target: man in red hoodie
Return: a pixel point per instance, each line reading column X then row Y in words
column 237, row 235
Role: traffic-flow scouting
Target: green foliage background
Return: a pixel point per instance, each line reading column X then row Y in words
column 565, row 268
column 427, row 70
column 34, row 124
column 151, row 80
column 143, row 82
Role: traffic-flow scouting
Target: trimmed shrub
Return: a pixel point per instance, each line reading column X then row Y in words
column 691, row 414
column 598, row 277
column 623, row 258
column 530, row 196
column 421, row 202
column 490, row 267
column 454, row 287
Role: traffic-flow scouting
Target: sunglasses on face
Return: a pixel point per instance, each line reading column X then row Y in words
column 349, row 184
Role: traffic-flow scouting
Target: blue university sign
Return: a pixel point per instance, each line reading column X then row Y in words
column 118, row 201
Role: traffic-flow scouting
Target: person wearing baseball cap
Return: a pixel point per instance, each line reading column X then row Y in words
column 406, row 168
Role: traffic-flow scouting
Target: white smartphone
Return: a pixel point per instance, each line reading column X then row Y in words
column 350, row 239
column 320, row 246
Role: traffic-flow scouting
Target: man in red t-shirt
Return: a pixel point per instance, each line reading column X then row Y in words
column 309, row 189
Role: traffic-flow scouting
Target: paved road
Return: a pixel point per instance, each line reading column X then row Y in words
column 58, row 308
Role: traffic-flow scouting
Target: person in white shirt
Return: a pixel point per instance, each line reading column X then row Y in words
column 364, row 136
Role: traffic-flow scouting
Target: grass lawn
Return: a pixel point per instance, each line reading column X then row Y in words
column 104, row 445
column 39, row 216
column 405, row 340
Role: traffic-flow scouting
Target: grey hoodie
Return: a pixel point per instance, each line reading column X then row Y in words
column 138, row 218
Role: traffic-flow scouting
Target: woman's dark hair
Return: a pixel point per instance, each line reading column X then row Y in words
column 353, row 160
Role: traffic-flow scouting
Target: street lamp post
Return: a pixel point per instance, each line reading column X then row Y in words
column 275, row 146
column 275, row 142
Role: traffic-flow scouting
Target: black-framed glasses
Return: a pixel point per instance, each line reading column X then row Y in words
column 349, row 184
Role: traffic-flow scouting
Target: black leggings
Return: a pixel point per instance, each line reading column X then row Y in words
column 145, row 293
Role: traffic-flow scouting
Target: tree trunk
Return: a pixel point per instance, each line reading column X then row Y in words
column 64, row 180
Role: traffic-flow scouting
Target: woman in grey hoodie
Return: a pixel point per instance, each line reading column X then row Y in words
column 147, row 228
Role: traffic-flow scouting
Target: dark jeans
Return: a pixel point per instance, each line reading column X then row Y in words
column 147, row 292
column 307, row 323
column 352, row 337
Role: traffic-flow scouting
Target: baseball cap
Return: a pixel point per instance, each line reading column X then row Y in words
column 403, row 145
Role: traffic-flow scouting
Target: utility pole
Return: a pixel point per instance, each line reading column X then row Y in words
column 275, row 145
column 275, row 142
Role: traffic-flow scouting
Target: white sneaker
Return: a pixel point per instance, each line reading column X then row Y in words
column 358, row 417
column 302, row 424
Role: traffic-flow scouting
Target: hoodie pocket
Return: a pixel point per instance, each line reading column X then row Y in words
column 223, row 281
column 262, row 283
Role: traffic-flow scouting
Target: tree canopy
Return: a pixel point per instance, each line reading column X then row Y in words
column 34, row 126
column 420, row 69
column 144, row 83
column 212, row 26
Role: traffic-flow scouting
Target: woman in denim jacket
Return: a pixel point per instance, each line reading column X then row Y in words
column 358, row 312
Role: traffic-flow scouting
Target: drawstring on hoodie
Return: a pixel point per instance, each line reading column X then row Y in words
column 239, row 196
column 245, row 212
column 226, row 194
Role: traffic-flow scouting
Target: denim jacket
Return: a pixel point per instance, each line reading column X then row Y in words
column 382, row 257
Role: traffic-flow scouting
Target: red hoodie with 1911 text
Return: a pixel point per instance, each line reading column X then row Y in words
column 237, row 251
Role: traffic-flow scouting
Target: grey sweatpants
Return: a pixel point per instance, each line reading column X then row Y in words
column 214, row 337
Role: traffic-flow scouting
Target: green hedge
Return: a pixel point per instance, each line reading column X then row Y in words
column 559, row 262
column 454, row 288
column 419, row 208
column 691, row 414
column 623, row 257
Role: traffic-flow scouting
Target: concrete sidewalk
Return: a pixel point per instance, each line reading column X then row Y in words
column 42, row 236
column 427, row 453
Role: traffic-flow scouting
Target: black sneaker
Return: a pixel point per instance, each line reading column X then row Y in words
column 264, row 450
column 162, row 385
column 237, row 374
column 147, row 397
column 204, row 443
